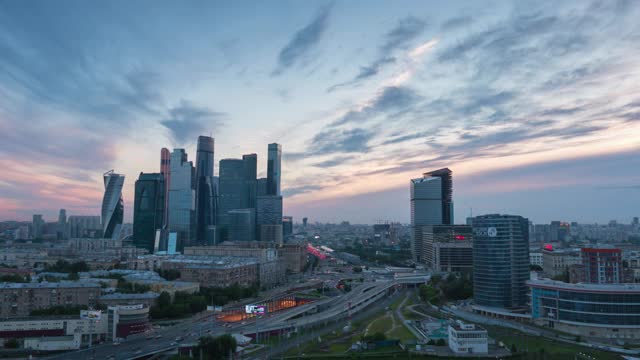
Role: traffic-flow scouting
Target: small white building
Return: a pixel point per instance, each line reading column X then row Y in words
column 535, row 258
column 468, row 339
column 54, row 343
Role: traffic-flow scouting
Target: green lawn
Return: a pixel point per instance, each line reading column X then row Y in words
column 552, row 349
column 380, row 324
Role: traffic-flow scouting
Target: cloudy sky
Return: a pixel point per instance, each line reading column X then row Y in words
column 534, row 106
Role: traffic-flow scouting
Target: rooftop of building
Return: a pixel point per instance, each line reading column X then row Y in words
column 218, row 262
column 121, row 296
column 50, row 285
column 586, row 287
column 460, row 326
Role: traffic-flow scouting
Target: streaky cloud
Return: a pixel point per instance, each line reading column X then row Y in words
column 303, row 41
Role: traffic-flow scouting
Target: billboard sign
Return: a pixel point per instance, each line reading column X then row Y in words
column 91, row 314
column 254, row 309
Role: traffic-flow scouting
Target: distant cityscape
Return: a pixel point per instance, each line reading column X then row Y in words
column 202, row 243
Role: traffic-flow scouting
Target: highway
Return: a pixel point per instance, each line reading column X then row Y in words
column 189, row 331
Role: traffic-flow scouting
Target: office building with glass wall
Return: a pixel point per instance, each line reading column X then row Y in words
column 500, row 261
column 593, row 310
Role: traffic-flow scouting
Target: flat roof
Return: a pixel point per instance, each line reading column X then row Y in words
column 50, row 285
column 585, row 287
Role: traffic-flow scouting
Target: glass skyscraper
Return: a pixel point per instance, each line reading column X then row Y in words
column 205, row 192
column 165, row 170
column 148, row 209
column 500, row 261
column 273, row 169
column 181, row 198
column 112, row 205
column 269, row 218
column 431, row 204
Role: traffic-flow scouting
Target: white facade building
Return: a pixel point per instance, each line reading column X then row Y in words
column 468, row 339
column 535, row 258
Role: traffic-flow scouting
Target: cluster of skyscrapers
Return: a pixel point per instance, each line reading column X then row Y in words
column 494, row 247
column 187, row 205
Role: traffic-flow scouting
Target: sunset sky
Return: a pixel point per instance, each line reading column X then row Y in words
column 534, row 106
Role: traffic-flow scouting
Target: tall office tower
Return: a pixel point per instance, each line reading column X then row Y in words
column 148, row 210
column 251, row 169
column 83, row 226
column 241, row 225
column 61, row 231
column 181, row 199
column 431, row 204
column 287, row 226
column 448, row 248
column 205, row 192
column 500, row 261
column 37, row 224
column 261, row 187
column 269, row 218
column 112, row 205
column 304, row 221
column 602, row 265
column 273, row 169
column 165, row 170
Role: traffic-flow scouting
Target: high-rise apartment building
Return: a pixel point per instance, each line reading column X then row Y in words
column 37, row 225
column 165, row 170
column 148, row 210
column 84, row 226
column 112, row 205
column 261, row 186
column 237, row 191
column 205, row 192
column 431, row 204
column 269, row 218
column 500, row 261
column 602, row 265
column 287, row 226
column 61, row 231
column 251, row 170
column 241, row 226
column 273, row 169
column 181, row 199
column 448, row 248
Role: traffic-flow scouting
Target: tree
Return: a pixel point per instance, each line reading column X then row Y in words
column 357, row 269
column 441, row 342
column 11, row 344
column 217, row 348
column 164, row 299
column 514, row 349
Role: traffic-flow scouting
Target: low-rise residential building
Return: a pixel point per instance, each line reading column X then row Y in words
column 215, row 271
column 557, row 261
column 53, row 327
column 535, row 258
column 148, row 299
column 468, row 338
column 19, row 299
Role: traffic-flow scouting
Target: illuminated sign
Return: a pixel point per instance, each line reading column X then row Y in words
column 90, row 314
column 459, row 237
column 254, row 309
column 548, row 247
column 490, row 232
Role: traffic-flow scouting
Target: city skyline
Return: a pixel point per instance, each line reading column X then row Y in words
column 532, row 106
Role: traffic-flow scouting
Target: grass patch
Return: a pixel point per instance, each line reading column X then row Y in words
column 380, row 324
column 536, row 346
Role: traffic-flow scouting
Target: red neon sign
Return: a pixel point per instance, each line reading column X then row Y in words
column 459, row 237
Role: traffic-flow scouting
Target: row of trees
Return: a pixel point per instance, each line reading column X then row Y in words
column 451, row 287
column 184, row 304
column 64, row 266
column 15, row 278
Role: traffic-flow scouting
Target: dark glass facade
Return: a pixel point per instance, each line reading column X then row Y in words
column 500, row 260
column 205, row 191
column 148, row 209
column 586, row 304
